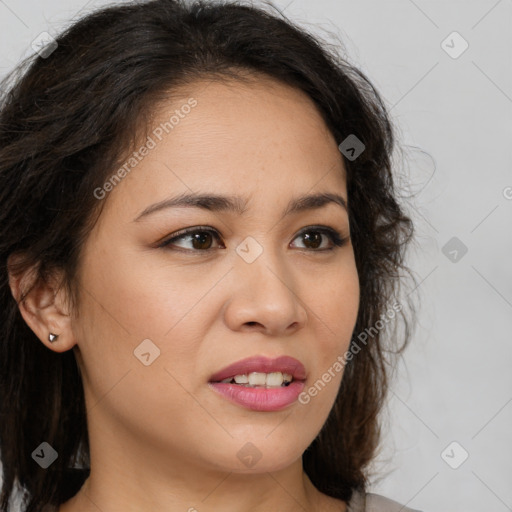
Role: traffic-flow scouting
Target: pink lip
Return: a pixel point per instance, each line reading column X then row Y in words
column 283, row 364
column 261, row 399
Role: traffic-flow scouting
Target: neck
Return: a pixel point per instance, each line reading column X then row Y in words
column 287, row 490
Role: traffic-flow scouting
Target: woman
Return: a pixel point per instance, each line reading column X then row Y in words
column 201, row 249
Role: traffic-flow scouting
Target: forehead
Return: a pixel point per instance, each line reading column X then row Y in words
column 247, row 138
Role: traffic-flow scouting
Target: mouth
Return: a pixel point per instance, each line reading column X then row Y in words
column 261, row 384
column 261, row 371
column 260, row 380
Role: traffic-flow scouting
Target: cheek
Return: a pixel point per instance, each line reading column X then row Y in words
column 124, row 304
column 119, row 385
column 334, row 315
column 148, row 297
column 335, row 305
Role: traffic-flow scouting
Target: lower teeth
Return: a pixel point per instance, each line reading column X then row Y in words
column 284, row 384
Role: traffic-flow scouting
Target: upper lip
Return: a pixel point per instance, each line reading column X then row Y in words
column 283, row 364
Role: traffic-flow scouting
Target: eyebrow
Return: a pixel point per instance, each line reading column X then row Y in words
column 238, row 205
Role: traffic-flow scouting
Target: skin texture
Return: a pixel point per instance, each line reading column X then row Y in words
column 161, row 439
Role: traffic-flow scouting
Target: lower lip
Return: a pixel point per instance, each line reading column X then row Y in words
column 260, row 399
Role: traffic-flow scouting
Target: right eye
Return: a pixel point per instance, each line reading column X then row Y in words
column 201, row 238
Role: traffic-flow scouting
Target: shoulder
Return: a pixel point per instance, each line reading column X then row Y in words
column 371, row 502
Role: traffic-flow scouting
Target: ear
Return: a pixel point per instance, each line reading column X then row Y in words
column 43, row 304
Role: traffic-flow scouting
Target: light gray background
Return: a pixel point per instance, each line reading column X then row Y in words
column 453, row 116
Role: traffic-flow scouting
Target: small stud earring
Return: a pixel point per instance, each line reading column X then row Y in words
column 52, row 337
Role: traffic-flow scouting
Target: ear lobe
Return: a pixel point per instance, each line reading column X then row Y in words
column 41, row 304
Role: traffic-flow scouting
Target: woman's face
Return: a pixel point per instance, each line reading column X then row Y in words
column 156, row 322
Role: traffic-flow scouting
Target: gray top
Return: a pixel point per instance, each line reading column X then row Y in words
column 375, row 503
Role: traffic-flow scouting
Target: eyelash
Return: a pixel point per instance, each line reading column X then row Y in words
column 337, row 239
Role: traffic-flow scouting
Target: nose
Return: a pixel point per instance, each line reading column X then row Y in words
column 265, row 297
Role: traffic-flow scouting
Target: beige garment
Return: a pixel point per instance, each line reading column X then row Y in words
column 375, row 503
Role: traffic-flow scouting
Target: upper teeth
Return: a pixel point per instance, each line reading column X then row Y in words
column 274, row 379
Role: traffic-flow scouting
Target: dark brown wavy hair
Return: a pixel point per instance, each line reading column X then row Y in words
column 67, row 120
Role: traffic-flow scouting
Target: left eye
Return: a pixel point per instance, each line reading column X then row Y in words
column 314, row 236
column 201, row 238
